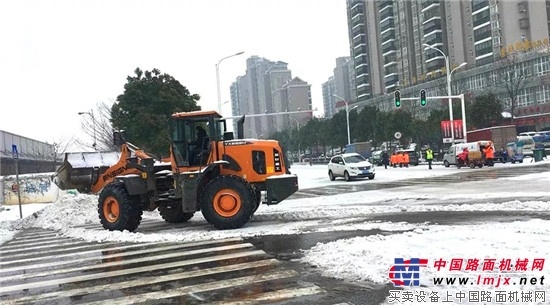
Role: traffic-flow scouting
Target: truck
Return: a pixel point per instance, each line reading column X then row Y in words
column 362, row 148
column 225, row 178
column 499, row 135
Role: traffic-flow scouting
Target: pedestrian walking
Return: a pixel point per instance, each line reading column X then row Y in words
column 429, row 157
column 385, row 159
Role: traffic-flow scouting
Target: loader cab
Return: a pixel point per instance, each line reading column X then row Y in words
column 192, row 134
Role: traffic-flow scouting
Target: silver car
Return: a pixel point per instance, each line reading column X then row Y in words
column 350, row 166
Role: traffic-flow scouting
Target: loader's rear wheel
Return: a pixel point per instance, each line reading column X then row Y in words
column 174, row 214
column 117, row 209
column 228, row 202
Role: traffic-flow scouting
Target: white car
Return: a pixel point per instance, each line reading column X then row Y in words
column 349, row 166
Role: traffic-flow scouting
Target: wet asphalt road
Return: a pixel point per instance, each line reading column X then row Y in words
column 41, row 267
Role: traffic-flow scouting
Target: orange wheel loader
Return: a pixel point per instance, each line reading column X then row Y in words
column 225, row 178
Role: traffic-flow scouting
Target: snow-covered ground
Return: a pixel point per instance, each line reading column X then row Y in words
column 357, row 259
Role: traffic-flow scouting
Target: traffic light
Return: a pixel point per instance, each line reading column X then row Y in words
column 422, row 97
column 397, row 98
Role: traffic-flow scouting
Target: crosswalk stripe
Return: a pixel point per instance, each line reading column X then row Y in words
column 42, row 247
column 186, row 290
column 108, row 274
column 100, row 247
column 123, row 262
column 52, row 252
column 148, row 281
column 17, row 239
column 117, row 252
column 273, row 296
column 25, row 236
column 32, row 243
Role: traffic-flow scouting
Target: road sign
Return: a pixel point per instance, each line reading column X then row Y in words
column 14, row 151
column 397, row 135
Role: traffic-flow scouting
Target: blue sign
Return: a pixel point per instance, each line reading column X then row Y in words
column 14, row 151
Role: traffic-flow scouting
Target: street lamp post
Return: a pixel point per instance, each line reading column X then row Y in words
column 297, row 129
column 218, row 79
column 449, row 73
column 347, row 114
column 91, row 114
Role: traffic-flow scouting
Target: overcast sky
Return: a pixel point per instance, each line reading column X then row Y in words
column 62, row 57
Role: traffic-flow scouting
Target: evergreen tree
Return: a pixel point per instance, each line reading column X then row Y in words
column 144, row 109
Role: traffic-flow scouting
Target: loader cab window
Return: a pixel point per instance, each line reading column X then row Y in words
column 179, row 142
column 191, row 139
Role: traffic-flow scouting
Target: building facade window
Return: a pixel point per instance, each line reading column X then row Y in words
column 525, row 98
column 542, row 65
column 543, row 94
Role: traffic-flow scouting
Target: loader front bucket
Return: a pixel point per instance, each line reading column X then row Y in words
column 81, row 170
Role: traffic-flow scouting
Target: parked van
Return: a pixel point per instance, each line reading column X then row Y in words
column 450, row 156
column 528, row 144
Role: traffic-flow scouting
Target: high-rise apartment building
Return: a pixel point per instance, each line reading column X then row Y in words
column 329, row 101
column 364, row 46
column 259, row 92
column 410, row 42
column 339, row 84
column 388, row 38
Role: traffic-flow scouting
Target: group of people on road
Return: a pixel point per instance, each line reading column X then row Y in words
column 488, row 155
column 401, row 158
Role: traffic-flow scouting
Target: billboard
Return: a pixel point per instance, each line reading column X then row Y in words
column 446, row 131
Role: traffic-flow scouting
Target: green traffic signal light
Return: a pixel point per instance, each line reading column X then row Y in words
column 397, row 99
column 422, row 97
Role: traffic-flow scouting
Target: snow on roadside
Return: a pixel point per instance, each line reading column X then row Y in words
column 368, row 259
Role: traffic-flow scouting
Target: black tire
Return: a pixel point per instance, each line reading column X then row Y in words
column 118, row 211
column 174, row 214
column 331, row 176
column 446, row 163
column 472, row 165
column 458, row 165
column 228, row 202
column 371, row 177
column 346, row 176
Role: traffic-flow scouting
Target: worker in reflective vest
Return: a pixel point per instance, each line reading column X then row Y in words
column 429, row 157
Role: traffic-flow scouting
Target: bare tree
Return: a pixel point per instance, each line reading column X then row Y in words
column 511, row 76
column 60, row 147
column 97, row 125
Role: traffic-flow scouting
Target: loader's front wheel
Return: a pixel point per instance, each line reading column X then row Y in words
column 228, row 202
column 174, row 214
column 118, row 211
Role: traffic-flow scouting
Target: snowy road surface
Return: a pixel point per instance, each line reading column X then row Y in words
column 498, row 214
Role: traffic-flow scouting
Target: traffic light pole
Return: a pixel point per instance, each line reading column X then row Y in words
column 450, row 97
